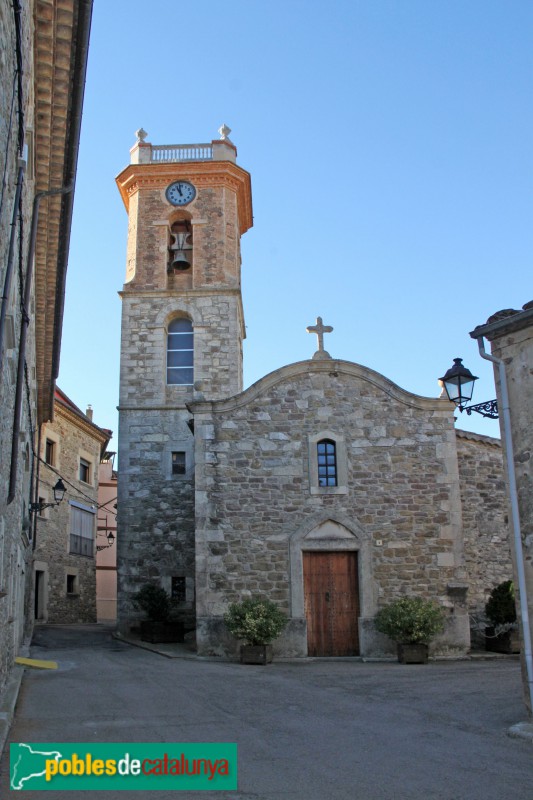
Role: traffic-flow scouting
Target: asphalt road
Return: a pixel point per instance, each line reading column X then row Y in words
column 310, row 730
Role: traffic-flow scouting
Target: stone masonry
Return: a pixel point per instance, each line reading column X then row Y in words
column 42, row 74
column 15, row 530
column 257, row 505
column 417, row 505
column 485, row 522
column 74, row 437
column 510, row 333
column 156, row 505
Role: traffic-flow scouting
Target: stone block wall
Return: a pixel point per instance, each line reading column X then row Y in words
column 73, row 440
column 487, row 549
column 256, row 495
column 15, row 529
column 510, row 333
column 217, row 324
column 155, row 535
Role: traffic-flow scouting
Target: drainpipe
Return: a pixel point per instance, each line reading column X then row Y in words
column 10, row 259
column 35, row 480
column 515, row 516
column 23, row 335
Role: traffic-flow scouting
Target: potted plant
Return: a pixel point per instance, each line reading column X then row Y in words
column 258, row 621
column 502, row 636
column 411, row 622
column 159, row 625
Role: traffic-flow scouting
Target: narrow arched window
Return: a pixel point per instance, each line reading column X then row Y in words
column 180, row 352
column 327, row 462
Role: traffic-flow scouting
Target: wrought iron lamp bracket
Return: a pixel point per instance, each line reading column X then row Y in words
column 487, row 409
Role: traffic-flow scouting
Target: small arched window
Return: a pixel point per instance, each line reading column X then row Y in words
column 327, row 462
column 180, row 352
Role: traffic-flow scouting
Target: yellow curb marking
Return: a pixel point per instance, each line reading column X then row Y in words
column 34, row 662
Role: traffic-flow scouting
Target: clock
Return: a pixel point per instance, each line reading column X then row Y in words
column 180, row 193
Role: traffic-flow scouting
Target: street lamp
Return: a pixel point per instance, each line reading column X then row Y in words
column 458, row 384
column 59, row 493
column 110, row 542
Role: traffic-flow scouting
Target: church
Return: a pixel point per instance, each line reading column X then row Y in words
column 323, row 486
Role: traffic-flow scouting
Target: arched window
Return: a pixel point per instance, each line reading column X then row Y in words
column 180, row 352
column 327, row 462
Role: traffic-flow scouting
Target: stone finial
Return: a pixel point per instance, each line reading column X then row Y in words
column 320, row 329
column 141, row 135
column 224, row 132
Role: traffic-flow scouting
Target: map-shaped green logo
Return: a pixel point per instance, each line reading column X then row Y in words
column 28, row 763
column 70, row 766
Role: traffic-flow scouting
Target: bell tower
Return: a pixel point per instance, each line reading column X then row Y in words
column 188, row 206
column 182, row 333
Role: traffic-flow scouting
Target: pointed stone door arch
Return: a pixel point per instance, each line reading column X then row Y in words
column 331, row 584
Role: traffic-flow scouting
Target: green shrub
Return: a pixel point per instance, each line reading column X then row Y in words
column 154, row 601
column 256, row 620
column 501, row 608
column 410, row 620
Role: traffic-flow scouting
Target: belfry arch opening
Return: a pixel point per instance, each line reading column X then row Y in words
column 180, row 246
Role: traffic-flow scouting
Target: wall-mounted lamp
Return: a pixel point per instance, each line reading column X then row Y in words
column 59, row 493
column 458, row 384
column 110, row 542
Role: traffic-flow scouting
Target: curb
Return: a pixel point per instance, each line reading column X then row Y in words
column 181, row 653
column 9, row 701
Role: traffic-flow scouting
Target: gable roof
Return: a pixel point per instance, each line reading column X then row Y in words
column 64, row 404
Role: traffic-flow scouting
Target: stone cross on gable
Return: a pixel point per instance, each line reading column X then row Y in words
column 320, row 329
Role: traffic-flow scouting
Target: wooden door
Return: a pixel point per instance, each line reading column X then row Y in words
column 331, row 603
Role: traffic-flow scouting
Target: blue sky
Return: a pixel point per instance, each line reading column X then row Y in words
column 389, row 145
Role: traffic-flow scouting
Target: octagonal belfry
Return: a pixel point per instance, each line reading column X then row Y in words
column 182, row 333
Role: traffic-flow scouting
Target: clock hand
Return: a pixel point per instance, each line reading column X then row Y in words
column 179, row 190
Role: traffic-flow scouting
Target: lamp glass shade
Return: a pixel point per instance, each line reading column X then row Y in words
column 459, row 383
column 59, row 491
column 110, row 539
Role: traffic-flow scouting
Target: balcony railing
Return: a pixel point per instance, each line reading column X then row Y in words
column 182, row 152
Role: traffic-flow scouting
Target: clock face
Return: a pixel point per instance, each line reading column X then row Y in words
column 180, row 193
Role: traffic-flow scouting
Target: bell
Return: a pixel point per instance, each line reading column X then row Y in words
column 180, row 261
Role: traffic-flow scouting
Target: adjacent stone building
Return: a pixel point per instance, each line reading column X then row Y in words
column 510, row 333
column 42, row 76
column 72, row 447
column 324, row 485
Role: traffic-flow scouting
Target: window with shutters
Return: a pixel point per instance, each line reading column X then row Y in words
column 81, row 530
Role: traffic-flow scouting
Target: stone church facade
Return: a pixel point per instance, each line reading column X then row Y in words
column 324, row 485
